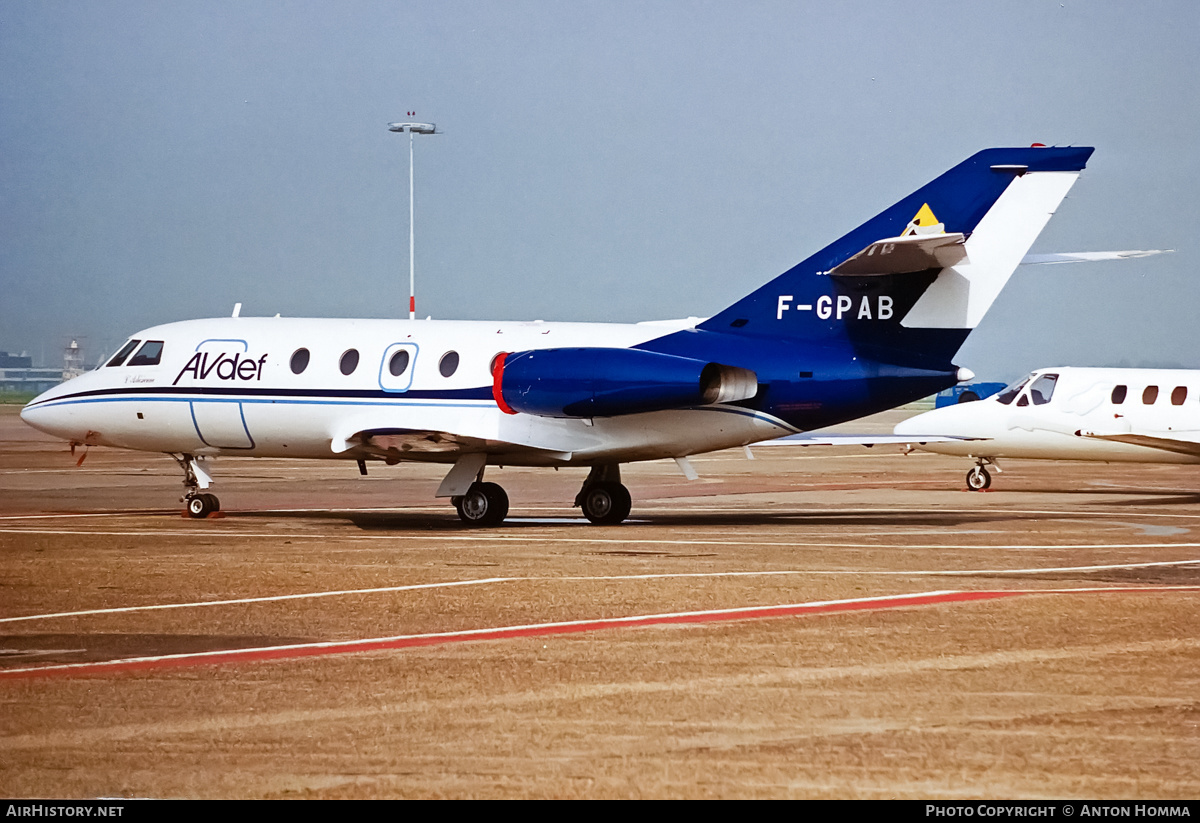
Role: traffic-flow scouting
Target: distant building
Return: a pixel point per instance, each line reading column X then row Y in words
column 18, row 376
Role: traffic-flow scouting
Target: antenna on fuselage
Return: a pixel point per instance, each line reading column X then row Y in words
column 412, row 128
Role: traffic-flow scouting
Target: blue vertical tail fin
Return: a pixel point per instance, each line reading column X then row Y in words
column 908, row 285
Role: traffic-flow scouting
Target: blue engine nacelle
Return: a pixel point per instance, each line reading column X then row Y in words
column 593, row 382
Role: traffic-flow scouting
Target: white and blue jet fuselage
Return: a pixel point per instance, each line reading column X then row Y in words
column 869, row 322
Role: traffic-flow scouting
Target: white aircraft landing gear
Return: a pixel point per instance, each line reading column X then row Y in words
column 604, row 500
column 978, row 478
column 196, row 503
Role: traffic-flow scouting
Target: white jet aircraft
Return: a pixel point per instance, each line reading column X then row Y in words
column 868, row 323
column 1097, row 414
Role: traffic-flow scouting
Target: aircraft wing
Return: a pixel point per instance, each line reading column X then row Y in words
column 868, row 440
column 388, row 432
column 1169, row 444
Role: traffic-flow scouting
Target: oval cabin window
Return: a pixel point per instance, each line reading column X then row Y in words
column 448, row 365
column 349, row 361
column 299, row 361
column 398, row 363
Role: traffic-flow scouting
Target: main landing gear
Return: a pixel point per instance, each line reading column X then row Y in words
column 978, row 478
column 484, row 504
column 196, row 503
column 605, row 502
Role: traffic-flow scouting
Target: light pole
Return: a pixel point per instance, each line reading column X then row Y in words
column 412, row 128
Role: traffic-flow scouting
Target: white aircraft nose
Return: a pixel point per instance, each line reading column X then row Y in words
column 44, row 415
column 962, row 420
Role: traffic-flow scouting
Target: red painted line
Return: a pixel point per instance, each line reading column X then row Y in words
column 320, row 649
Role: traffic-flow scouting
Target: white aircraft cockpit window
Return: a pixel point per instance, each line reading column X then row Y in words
column 448, row 365
column 1118, row 394
column 148, row 355
column 1149, row 395
column 119, row 357
column 1043, row 389
column 1178, row 395
column 299, row 360
column 398, row 363
column 1012, row 391
column 349, row 361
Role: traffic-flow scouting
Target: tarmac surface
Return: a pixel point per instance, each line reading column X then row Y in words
column 816, row 622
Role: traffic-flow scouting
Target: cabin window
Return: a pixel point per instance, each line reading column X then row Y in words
column 448, row 365
column 1178, row 395
column 119, row 357
column 398, row 363
column 1150, row 395
column 1118, row 394
column 299, row 360
column 1011, row 392
column 148, row 355
column 1043, row 389
column 349, row 361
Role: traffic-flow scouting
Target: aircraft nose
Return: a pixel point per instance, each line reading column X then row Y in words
column 45, row 416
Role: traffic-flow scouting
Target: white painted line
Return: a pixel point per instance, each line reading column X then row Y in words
column 243, row 600
column 603, row 579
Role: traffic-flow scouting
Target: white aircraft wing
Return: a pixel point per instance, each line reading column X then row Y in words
column 438, row 429
column 1169, row 444
column 868, row 440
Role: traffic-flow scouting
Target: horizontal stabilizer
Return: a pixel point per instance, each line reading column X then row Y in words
column 1089, row 256
column 902, row 255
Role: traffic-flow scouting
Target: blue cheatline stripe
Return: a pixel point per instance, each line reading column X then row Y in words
column 387, row 400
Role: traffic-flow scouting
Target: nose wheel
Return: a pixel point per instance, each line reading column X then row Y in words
column 196, row 503
column 978, row 478
column 201, row 505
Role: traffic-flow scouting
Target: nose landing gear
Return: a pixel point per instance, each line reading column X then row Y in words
column 196, row 503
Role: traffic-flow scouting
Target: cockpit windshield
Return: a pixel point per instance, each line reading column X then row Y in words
column 1043, row 389
column 119, row 357
column 148, row 355
column 1006, row 396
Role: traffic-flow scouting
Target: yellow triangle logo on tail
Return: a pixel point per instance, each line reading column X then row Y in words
column 924, row 223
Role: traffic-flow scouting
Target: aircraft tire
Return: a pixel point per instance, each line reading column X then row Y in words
column 606, row 504
column 200, row 506
column 213, row 503
column 978, row 479
column 484, row 504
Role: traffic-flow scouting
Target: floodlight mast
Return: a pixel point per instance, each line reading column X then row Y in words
column 412, row 128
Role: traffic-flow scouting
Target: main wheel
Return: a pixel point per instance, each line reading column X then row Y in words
column 606, row 504
column 201, row 505
column 978, row 479
column 484, row 504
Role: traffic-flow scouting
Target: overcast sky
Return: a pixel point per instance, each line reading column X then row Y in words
column 600, row 160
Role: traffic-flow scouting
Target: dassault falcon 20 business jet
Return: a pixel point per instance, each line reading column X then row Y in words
column 870, row 322
column 1096, row 414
